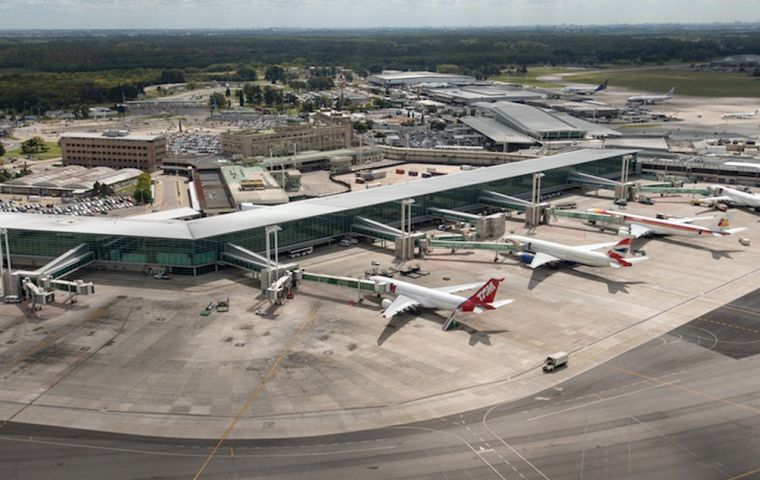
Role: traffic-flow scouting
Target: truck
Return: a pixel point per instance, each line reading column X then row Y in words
column 555, row 361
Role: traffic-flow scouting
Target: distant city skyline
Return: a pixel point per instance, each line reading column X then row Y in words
column 179, row 14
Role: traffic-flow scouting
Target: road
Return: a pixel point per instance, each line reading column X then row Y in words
column 684, row 405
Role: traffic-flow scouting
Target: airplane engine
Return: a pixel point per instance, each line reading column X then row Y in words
column 525, row 257
column 386, row 303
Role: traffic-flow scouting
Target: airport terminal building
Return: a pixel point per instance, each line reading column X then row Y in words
column 198, row 246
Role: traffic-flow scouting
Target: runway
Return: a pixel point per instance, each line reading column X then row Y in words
column 684, row 405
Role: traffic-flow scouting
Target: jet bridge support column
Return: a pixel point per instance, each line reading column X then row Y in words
column 533, row 212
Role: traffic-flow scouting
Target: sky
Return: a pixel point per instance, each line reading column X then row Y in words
column 88, row 14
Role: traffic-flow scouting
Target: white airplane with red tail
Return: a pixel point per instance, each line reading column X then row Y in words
column 535, row 253
column 642, row 226
column 410, row 296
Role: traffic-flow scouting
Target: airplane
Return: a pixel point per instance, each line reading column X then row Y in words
column 537, row 252
column 651, row 99
column 583, row 90
column 732, row 196
column 641, row 226
column 410, row 296
column 740, row 115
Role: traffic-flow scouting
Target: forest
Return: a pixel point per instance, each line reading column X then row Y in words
column 73, row 69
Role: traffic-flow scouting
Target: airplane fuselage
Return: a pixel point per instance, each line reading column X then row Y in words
column 741, row 198
column 566, row 253
column 660, row 226
column 648, row 99
column 426, row 297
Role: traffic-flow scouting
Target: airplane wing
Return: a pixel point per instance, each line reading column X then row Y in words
column 638, row 230
column 400, row 304
column 459, row 288
column 542, row 259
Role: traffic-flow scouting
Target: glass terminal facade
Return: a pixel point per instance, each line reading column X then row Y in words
column 201, row 255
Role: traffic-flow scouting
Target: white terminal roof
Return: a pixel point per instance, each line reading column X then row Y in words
column 485, row 93
column 420, row 76
column 527, row 118
column 497, row 131
column 103, row 136
column 278, row 214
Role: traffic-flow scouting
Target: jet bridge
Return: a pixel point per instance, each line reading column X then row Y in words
column 404, row 243
column 241, row 257
column 277, row 291
column 465, row 245
column 373, row 229
column 537, row 212
column 486, row 226
column 38, row 284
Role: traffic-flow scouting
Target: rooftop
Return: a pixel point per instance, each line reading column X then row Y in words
column 115, row 136
column 527, row 118
column 496, row 131
column 235, row 222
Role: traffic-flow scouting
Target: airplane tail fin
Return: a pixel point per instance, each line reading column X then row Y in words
column 723, row 227
column 671, row 92
column 618, row 254
column 486, row 294
column 602, row 86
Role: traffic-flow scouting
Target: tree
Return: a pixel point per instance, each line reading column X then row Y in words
column 228, row 92
column 217, row 100
column 253, row 94
column 33, row 146
column 172, row 76
column 142, row 190
column 320, row 83
column 241, row 97
column 2, row 149
column 247, row 73
column 272, row 96
column 275, row 73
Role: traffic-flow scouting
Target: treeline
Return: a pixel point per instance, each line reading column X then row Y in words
column 368, row 50
column 39, row 92
column 68, row 71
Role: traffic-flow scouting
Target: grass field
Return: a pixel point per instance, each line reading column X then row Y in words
column 532, row 76
column 700, row 84
column 53, row 152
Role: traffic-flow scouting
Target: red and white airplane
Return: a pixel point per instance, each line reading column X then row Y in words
column 410, row 296
column 535, row 253
column 642, row 226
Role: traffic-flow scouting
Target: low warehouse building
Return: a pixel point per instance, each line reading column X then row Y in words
column 70, row 181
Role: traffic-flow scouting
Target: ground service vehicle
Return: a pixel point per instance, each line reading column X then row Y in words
column 555, row 361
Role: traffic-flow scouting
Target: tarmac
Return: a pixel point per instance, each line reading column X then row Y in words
column 137, row 358
column 674, row 407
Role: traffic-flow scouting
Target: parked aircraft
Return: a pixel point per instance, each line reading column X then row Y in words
column 740, row 115
column 642, row 226
column 536, row 253
column 410, row 296
column 584, row 90
column 651, row 99
column 732, row 196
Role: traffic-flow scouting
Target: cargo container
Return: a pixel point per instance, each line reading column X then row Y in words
column 412, row 173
